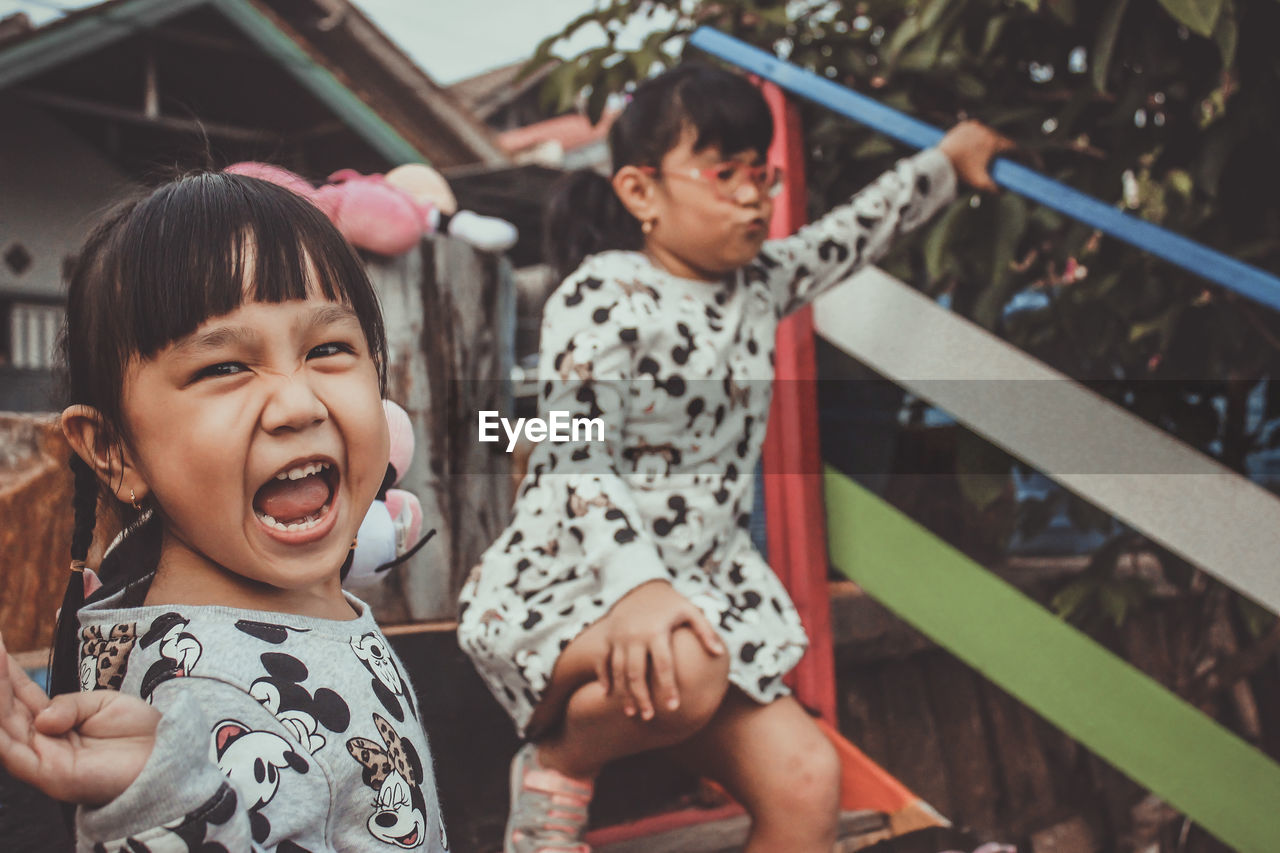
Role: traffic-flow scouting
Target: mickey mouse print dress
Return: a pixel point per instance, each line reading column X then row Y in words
column 680, row 372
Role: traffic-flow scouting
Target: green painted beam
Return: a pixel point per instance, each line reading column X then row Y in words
column 345, row 103
column 1161, row 742
column 61, row 42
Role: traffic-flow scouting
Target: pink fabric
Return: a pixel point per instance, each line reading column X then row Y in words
column 274, row 174
column 372, row 214
column 401, row 430
column 91, row 582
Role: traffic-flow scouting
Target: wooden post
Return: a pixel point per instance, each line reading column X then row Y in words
column 449, row 314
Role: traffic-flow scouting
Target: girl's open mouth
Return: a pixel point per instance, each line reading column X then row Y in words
column 295, row 503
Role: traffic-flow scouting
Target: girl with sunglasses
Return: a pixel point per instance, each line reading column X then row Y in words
column 625, row 608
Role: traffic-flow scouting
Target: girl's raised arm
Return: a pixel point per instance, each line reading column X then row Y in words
column 860, row 232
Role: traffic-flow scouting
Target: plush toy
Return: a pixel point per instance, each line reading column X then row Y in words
column 372, row 214
column 274, row 174
column 426, row 185
column 390, row 214
column 391, row 529
column 380, row 214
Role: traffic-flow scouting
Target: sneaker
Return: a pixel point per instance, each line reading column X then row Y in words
column 548, row 809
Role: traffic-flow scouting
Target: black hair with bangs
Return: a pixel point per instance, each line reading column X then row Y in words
column 586, row 216
column 155, row 269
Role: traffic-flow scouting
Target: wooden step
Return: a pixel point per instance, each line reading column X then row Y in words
column 728, row 834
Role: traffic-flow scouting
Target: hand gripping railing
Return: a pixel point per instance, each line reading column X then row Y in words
column 1222, row 269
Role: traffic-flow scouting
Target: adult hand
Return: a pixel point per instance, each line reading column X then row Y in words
column 640, row 629
column 969, row 146
column 80, row 747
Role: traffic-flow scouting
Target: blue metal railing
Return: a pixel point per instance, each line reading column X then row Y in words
column 1233, row 274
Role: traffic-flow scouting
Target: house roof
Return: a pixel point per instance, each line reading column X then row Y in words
column 570, row 131
column 486, row 93
column 328, row 47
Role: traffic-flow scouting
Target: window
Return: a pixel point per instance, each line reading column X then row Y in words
column 32, row 335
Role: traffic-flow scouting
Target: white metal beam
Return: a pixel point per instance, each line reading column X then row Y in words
column 1191, row 504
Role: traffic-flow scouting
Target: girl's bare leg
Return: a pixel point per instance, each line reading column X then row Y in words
column 579, row 726
column 778, row 764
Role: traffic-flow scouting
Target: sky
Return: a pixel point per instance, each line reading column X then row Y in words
column 449, row 39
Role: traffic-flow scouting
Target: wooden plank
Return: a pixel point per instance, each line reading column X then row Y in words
column 863, row 630
column 1027, row 790
column 915, row 745
column 729, row 833
column 1163, row 743
column 445, row 308
column 1199, row 509
column 863, row 719
column 966, row 753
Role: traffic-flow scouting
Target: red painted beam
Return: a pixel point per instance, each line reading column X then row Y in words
column 792, row 455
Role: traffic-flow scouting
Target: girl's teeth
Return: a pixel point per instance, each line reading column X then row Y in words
column 302, row 471
column 306, row 523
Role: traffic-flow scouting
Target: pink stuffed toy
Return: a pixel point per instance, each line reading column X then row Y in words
column 390, row 214
column 274, row 174
column 391, row 529
column 372, row 214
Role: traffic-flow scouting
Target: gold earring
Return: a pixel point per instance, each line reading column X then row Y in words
column 133, row 500
column 647, row 226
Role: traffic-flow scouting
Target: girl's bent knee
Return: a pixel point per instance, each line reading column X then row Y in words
column 808, row 783
column 702, row 680
column 700, row 674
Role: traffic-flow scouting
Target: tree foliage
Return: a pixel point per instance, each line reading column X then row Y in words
column 1166, row 108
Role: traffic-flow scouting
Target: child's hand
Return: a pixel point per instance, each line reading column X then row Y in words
column 79, row 747
column 640, row 629
column 969, row 146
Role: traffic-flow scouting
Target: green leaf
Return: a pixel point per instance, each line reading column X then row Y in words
column 560, row 88
column 982, row 470
column 1068, row 600
column 1199, row 16
column 991, row 35
column 932, row 13
column 1106, row 42
column 1226, row 34
column 1162, row 325
column 1011, row 222
column 874, row 145
column 1113, row 602
column 1179, row 180
column 1257, row 619
column 969, row 86
column 905, row 33
column 937, row 258
column 1064, row 10
column 1033, row 5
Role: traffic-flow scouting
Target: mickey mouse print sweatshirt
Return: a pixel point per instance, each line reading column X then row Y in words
column 279, row 733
